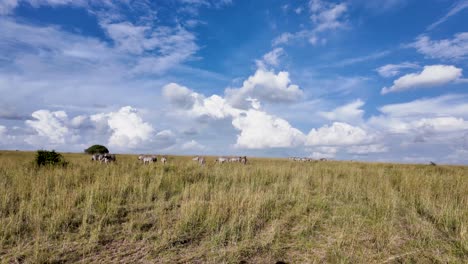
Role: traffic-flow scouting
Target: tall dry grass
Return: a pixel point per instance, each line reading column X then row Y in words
column 269, row 210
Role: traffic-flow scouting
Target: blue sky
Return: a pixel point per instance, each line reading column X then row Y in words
column 363, row 80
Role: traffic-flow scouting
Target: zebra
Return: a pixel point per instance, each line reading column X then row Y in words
column 235, row 159
column 221, row 160
column 146, row 159
column 303, row 159
column 107, row 158
column 149, row 159
column 97, row 157
column 163, row 159
column 200, row 160
column 243, row 160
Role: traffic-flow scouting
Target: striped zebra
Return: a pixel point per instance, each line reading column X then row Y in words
column 301, row 159
column 108, row 158
column 147, row 159
column 200, row 160
column 235, row 159
column 243, row 160
column 222, row 160
column 103, row 158
column 97, row 157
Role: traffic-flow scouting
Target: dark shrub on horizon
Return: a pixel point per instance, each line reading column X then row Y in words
column 96, row 149
column 49, row 158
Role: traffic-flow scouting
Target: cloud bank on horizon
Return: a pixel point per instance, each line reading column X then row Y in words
column 323, row 79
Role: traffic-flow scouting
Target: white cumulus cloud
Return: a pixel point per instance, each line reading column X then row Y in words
column 127, row 127
column 338, row 134
column 265, row 86
column 179, row 96
column 441, row 120
column 260, row 130
column 214, row 107
column 252, row 122
column 351, row 112
column 433, row 75
column 192, row 145
column 124, row 129
column 51, row 126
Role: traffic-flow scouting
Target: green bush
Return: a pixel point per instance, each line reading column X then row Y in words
column 96, row 149
column 49, row 158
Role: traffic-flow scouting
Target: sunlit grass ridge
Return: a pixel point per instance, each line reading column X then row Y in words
column 266, row 211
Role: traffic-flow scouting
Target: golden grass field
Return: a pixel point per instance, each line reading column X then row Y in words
column 267, row 211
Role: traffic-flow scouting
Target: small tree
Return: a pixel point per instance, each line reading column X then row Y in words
column 96, row 149
column 49, row 158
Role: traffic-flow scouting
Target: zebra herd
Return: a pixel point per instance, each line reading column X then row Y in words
column 108, row 158
column 242, row 160
column 201, row 160
column 147, row 159
column 104, row 158
column 305, row 159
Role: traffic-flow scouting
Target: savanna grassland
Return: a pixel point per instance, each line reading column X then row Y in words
column 267, row 211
